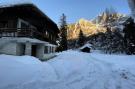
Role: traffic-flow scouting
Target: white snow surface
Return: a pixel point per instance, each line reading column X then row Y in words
column 69, row 70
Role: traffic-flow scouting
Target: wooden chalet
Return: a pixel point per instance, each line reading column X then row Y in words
column 27, row 21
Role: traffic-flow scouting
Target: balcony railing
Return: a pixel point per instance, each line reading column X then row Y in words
column 21, row 32
column 25, row 32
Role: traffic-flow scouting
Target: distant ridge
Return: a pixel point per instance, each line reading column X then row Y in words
column 97, row 25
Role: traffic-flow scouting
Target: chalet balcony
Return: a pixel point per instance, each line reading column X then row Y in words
column 22, row 32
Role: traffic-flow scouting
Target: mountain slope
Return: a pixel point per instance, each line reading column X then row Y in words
column 88, row 28
column 112, row 19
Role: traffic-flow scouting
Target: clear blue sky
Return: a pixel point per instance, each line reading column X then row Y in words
column 76, row 9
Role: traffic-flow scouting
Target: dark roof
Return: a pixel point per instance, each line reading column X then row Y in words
column 35, row 9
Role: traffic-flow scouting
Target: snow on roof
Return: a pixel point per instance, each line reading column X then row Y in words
column 50, row 45
column 86, row 45
column 10, row 3
column 23, row 40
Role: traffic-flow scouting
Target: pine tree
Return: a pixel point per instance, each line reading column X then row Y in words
column 81, row 39
column 129, row 36
column 63, row 33
column 113, row 42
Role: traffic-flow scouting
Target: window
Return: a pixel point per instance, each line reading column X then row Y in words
column 3, row 24
column 25, row 24
column 22, row 24
column 46, row 50
column 46, row 33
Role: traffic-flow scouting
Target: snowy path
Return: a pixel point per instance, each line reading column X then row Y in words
column 76, row 70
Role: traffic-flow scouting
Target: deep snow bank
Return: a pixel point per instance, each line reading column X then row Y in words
column 69, row 70
column 18, row 70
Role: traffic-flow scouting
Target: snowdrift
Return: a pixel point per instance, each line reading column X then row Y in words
column 69, row 70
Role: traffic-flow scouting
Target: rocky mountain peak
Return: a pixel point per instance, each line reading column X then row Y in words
column 97, row 25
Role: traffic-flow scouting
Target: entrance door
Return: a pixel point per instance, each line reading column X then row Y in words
column 23, row 49
column 34, row 50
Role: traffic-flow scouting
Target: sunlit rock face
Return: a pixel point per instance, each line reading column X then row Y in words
column 132, row 7
column 88, row 27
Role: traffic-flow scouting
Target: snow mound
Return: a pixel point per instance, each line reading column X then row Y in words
column 69, row 70
column 17, row 71
column 21, row 59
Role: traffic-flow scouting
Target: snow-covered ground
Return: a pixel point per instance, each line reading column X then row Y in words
column 69, row 70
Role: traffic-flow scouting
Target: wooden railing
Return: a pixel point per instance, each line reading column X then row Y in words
column 21, row 32
column 24, row 32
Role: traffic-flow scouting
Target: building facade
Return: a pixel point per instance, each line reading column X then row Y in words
column 26, row 30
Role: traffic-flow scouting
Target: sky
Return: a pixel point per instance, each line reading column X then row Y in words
column 76, row 9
